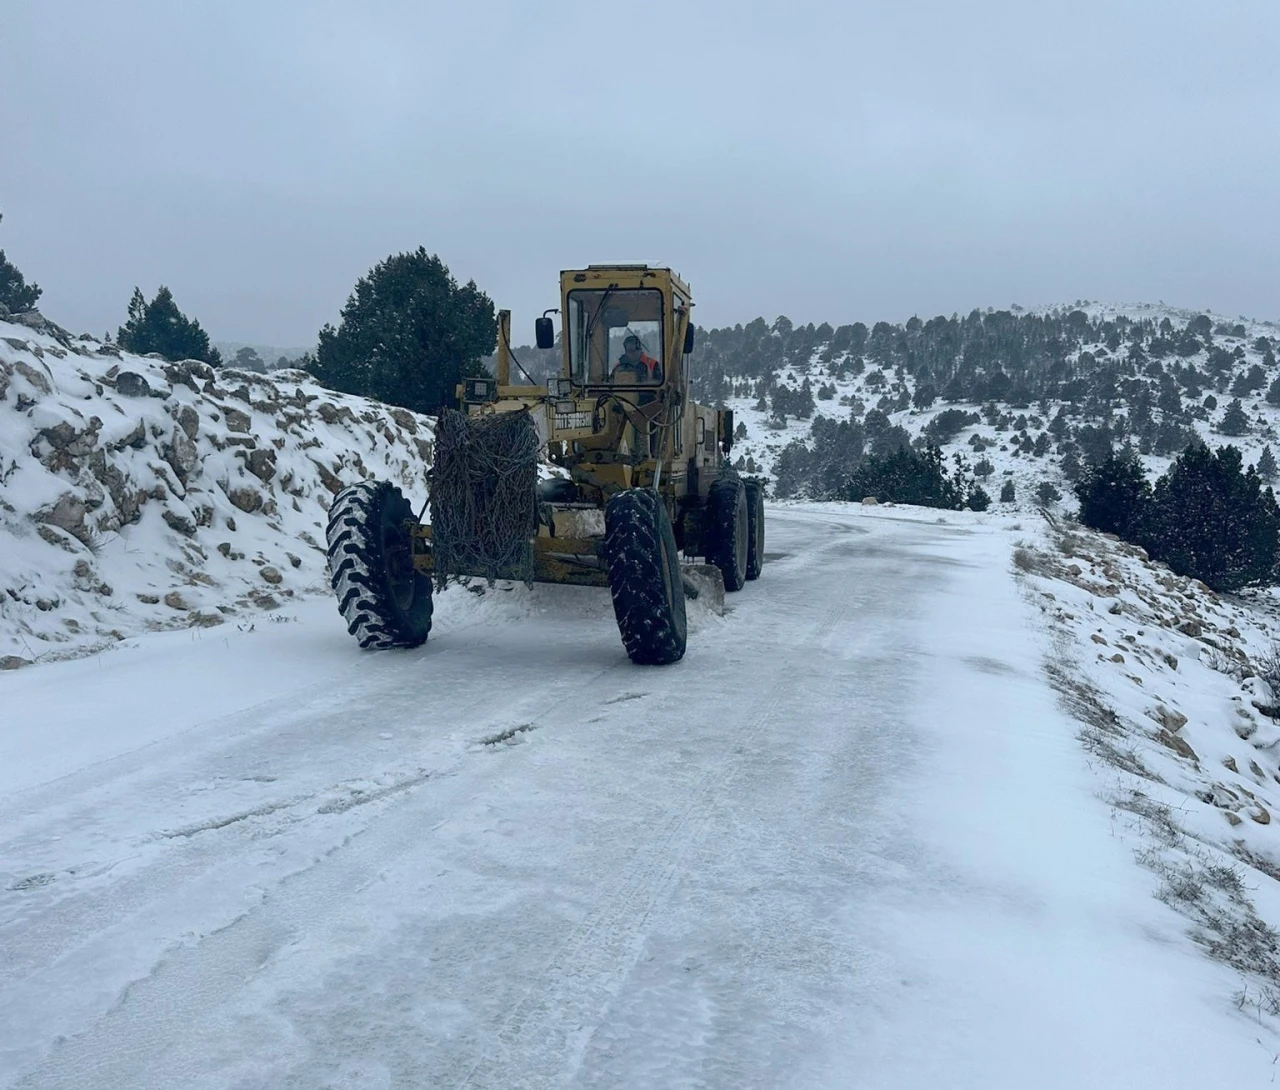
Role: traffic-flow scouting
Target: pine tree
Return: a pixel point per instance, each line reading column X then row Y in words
column 1114, row 494
column 1007, row 492
column 1234, row 420
column 1046, row 493
column 15, row 293
column 159, row 326
column 1212, row 520
column 409, row 334
column 247, row 359
column 925, row 395
column 1170, row 400
column 1267, row 464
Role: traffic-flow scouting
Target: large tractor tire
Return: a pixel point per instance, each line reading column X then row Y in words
column 644, row 577
column 755, row 528
column 727, row 531
column 385, row 602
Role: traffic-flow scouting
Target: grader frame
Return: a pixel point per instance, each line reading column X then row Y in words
column 643, row 469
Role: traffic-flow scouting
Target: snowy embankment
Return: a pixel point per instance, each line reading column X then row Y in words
column 137, row 494
column 1173, row 688
column 851, row 839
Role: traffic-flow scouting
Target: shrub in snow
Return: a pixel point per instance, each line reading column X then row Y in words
column 978, row 499
column 948, row 424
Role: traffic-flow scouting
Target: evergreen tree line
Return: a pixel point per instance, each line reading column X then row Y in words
column 1009, row 356
column 1208, row 517
column 408, row 334
column 1117, row 379
column 852, row 459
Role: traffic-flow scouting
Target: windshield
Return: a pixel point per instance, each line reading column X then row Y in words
column 615, row 337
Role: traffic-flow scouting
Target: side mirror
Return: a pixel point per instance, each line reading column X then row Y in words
column 545, row 331
column 688, row 339
column 726, row 437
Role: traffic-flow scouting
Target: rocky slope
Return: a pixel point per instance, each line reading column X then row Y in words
column 138, row 494
column 1176, row 690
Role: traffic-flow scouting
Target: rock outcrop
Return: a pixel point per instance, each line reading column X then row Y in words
column 137, row 493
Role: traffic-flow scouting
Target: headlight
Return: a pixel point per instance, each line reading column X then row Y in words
column 476, row 390
column 559, row 387
column 563, row 408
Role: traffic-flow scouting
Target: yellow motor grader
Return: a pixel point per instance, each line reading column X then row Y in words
column 633, row 474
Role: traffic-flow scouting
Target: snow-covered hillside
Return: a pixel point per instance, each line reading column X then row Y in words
column 137, row 494
column 998, row 443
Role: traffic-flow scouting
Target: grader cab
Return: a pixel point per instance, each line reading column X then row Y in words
column 604, row 477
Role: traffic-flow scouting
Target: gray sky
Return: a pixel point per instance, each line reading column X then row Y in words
column 830, row 161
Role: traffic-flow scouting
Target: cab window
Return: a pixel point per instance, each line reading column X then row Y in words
column 615, row 336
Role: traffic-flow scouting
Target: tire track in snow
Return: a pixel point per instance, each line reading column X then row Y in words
column 544, row 1038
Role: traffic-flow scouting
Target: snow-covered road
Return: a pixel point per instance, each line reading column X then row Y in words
column 849, row 841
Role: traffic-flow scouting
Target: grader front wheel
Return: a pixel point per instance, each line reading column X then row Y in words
column 644, row 577
column 385, row 602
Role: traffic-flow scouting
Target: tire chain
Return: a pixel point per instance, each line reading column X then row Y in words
column 353, row 561
column 635, row 579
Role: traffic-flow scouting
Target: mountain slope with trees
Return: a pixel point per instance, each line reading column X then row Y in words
column 1027, row 398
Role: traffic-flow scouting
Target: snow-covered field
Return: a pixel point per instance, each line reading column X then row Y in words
column 877, row 829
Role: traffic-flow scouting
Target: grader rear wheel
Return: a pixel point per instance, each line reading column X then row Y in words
column 385, row 602
column 644, row 577
column 727, row 531
column 755, row 528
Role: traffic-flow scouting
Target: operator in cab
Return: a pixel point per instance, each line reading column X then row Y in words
column 635, row 365
column 634, row 359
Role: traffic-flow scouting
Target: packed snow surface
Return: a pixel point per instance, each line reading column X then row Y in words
column 852, row 839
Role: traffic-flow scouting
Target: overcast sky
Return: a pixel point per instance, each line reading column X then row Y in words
column 830, row 161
